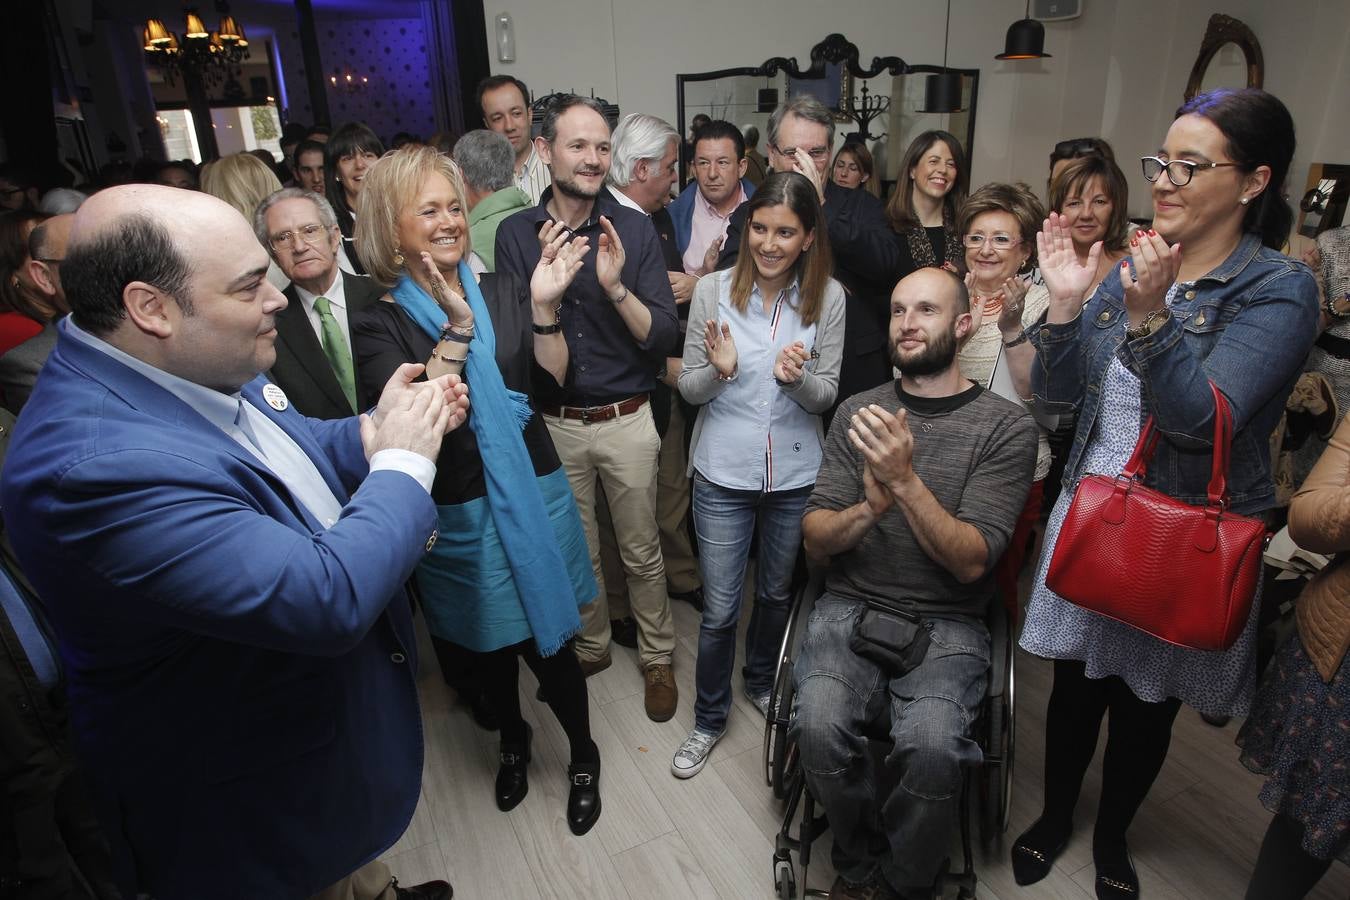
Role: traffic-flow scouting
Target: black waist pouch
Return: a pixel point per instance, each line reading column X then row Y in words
column 895, row 641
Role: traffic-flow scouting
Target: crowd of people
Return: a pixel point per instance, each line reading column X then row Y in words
column 524, row 383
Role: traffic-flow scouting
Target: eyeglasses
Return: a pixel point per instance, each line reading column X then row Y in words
column 310, row 234
column 816, row 153
column 1179, row 171
column 997, row 241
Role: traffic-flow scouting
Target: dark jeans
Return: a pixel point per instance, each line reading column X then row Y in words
column 725, row 521
column 841, row 696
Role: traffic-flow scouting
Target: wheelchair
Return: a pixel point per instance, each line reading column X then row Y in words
column 986, row 790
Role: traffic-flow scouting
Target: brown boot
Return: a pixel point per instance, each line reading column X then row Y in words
column 662, row 696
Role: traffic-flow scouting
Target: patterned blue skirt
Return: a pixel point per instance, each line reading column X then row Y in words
column 1298, row 733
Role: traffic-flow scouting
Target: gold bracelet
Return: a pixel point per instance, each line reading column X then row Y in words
column 448, row 359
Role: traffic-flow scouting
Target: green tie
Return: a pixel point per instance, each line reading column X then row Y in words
column 335, row 348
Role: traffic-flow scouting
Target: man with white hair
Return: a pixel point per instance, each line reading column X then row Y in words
column 485, row 160
column 644, row 169
column 315, row 365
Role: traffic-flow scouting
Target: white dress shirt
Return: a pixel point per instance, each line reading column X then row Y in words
column 534, row 176
column 337, row 299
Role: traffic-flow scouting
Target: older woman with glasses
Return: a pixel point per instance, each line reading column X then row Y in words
column 997, row 225
column 1205, row 297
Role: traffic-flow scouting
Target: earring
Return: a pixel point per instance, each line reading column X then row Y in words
column 398, row 256
column 1244, row 200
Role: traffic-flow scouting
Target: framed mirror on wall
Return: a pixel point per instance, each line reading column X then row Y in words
column 1230, row 56
column 880, row 105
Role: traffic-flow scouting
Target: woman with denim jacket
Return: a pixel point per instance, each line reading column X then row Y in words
column 1205, row 296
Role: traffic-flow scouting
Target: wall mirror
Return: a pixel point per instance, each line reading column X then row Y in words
column 1230, row 56
column 880, row 104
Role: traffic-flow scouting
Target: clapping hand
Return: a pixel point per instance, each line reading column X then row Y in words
column 720, row 346
column 1155, row 270
column 885, row 441
column 415, row 416
column 609, row 260
column 682, row 286
column 1067, row 278
column 711, row 255
column 791, row 363
column 452, row 303
column 559, row 263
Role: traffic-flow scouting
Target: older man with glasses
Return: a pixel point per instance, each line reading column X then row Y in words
column 315, row 365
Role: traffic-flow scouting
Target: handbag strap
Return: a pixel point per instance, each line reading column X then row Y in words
column 1147, row 445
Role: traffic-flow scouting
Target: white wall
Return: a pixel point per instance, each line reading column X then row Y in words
column 1118, row 71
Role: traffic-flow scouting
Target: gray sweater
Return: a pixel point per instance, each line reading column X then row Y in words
column 975, row 451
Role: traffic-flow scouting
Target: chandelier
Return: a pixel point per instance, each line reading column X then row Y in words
column 210, row 55
column 348, row 81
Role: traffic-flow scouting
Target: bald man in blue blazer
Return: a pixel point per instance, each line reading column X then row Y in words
column 225, row 576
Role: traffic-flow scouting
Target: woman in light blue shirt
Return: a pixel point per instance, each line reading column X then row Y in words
column 762, row 369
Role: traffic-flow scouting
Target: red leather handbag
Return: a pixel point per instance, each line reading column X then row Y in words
column 1184, row 574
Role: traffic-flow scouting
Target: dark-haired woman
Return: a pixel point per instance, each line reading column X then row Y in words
column 922, row 210
column 1205, row 298
column 349, row 153
column 761, row 360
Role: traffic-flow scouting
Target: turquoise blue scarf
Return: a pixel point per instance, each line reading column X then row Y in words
column 518, row 510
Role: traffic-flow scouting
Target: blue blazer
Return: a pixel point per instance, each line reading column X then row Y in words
column 241, row 680
column 682, row 212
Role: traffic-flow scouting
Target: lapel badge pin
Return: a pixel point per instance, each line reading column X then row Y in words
column 275, row 397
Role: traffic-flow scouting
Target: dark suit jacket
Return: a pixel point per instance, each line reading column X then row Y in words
column 241, row 679
column 301, row 369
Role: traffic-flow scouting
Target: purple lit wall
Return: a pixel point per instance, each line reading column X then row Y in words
column 391, row 52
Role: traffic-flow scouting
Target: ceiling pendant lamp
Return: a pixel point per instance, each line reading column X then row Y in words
column 942, row 93
column 1025, row 40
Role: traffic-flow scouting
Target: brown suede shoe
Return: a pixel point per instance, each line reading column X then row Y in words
column 591, row 666
column 662, row 696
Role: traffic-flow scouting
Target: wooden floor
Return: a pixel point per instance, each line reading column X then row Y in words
column 1195, row 838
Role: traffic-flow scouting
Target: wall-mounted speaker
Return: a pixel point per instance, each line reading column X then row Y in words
column 1056, row 10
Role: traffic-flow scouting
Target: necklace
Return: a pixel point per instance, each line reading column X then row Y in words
column 990, row 305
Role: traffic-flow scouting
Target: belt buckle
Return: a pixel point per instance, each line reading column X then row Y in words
column 586, row 415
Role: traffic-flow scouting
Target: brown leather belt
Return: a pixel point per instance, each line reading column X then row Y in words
column 590, row 414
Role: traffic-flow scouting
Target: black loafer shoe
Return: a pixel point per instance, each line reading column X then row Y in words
column 583, row 802
column 430, row 890
column 1031, row 864
column 1116, row 879
column 624, row 632
column 513, row 782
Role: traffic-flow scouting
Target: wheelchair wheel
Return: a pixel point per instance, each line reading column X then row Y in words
column 779, row 756
column 995, row 790
column 784, row 879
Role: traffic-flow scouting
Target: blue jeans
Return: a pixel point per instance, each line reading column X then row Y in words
column 724, row 520
column 905, row 833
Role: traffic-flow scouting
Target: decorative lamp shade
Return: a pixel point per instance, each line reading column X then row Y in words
column 942, row 93
column 195, row 27
column 1025, row 40
column 156, row 35
column 230, row 31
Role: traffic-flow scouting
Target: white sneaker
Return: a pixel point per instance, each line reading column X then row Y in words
column 693, row 753
column 760, row 701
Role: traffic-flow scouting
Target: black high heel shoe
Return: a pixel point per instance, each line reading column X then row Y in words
column 583, row 802
column 513, row 781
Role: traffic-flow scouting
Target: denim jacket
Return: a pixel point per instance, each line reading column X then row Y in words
column 1247, row 326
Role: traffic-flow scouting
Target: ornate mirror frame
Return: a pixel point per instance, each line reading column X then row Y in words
column 835, row 50
column 1223, row 30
